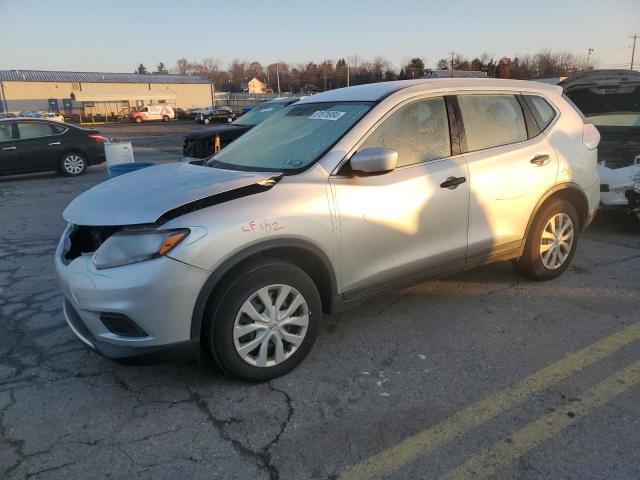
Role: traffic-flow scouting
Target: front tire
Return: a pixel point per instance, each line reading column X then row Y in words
column 206, row 121
column 138, row 120
column 165, row 118
column 266, row 321
column 73, row 164
column 551, row 243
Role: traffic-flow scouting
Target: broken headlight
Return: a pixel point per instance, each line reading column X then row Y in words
column 133, row 246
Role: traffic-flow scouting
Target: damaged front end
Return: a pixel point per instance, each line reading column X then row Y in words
column 610, row 99
column 129, row 211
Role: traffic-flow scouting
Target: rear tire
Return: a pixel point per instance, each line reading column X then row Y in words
column 138, row 120
column 206, row 121
column 552, row 241
column 165, row 118
column 284, row 313
column 72, row 164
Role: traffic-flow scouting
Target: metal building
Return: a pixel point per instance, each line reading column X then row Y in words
column 95, row 93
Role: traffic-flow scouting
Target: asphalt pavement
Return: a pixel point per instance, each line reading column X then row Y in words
column 480, row 375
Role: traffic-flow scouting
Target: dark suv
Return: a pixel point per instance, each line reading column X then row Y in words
column 201, row 143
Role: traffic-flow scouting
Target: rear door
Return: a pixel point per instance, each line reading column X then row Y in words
column 511, row 166
column 9, row 154
column 39, row 144
column 408, row 222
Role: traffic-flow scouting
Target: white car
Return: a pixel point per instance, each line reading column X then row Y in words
column 335, row 199
column 56, row 117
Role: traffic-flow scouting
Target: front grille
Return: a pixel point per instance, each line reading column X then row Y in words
column 84, row 239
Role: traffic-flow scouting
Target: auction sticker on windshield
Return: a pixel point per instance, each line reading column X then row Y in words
column 326, row 115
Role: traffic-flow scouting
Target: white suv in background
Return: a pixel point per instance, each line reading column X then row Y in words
column 332, row 200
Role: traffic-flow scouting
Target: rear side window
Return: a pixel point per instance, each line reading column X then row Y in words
column 419, row 132
column 492, row 120
column 35, row 130
column 542, row 111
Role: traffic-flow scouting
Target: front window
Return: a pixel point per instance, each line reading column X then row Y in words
column 419, row 132
column 293, row 138
column 259, row 114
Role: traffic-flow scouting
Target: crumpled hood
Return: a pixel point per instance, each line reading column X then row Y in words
column 143, row 196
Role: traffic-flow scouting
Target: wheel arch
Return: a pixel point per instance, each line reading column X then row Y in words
column 301, row 253
column 570, row 192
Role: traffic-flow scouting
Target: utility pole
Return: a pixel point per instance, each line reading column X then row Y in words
column 589, row 52
column 324, row 72
column 347, row 74
column 633, row 49
column 452, row 54
column 278, row 76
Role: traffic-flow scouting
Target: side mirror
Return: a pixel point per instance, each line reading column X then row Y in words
column 374, row 160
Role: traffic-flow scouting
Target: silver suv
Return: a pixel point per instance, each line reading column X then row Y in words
column 337, row 197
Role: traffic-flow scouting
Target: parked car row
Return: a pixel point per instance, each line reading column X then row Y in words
column 54, row 116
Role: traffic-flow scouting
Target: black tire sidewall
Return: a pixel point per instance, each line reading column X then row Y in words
column 530, row 263
column 221, row 318
column 69, row 174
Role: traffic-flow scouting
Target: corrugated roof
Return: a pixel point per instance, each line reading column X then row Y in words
column 94, row 77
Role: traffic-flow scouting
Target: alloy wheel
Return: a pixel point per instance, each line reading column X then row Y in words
column 73, row 164
column 270, row 325
column 557, row 240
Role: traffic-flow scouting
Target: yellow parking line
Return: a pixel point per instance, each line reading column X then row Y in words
column 506, row 451
column 408, row 450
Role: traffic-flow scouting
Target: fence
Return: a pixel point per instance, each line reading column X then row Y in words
column 237, row 101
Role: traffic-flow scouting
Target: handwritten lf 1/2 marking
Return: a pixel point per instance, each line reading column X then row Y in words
column 264, row 226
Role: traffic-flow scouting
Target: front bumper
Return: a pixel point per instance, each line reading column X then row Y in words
column 158, row 295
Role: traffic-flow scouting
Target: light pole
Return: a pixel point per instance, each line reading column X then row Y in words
column 589, row 52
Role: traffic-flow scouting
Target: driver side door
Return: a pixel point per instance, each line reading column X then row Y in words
column 412, row 221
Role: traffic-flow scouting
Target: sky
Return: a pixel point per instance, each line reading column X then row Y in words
column 117, row 35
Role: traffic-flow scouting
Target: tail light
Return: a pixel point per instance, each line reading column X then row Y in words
column 590, row 136
column 98, row 138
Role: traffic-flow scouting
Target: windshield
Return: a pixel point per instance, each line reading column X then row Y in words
column 260, row 113
column 293, row 138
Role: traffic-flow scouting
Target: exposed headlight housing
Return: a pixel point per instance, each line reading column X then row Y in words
column 132, row 246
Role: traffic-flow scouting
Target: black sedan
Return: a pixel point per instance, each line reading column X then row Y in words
column 201, row 143
column 32, row 145
column 219, row 115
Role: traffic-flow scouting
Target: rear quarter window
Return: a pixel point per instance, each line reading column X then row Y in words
column 542, row 111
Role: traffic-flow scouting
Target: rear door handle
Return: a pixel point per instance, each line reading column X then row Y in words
column 541, row 159
column 54, row 143
column 452, row 182
column 9, row 148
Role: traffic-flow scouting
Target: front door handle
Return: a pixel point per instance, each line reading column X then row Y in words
column 54, row 143
column 540, row 159
column 9, row 148
column 452, row 182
